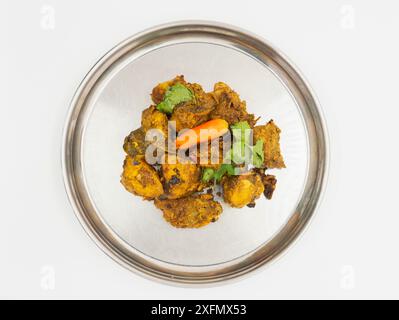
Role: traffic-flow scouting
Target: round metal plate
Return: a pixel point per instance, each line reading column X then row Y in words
column 108, row 105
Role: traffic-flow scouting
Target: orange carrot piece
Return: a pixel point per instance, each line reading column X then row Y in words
column 205, row 132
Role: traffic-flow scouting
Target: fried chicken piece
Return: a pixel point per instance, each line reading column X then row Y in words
column 158, row 92
column 135, row 143
column 140, row 178
column 229, row 106
column 195, row 112
column 180, row 178
column 270, row 134
column 242, row 190
column 152, row 118
column 194, row 211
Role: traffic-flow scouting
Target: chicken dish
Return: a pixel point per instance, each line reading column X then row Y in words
column 195, row 150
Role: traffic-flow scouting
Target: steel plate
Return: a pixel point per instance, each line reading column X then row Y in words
column 108, row 105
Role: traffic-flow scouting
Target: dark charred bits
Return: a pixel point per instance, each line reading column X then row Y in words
column 174, row 180
column 269, row 181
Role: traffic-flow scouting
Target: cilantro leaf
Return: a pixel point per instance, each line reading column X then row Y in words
column 238, row 151
column 258, row 155
column 207, row 174
column 241, row 146
column 241, row 139
column 224, row 168
column 165, row 107
column 175, row 94
column 242, row 125
column 241, row 131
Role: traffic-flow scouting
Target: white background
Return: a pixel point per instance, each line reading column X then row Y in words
column 348, row 50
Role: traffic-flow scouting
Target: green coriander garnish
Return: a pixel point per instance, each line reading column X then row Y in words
column 175, row 94
column 207, row 174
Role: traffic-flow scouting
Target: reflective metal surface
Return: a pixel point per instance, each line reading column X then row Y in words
column 108, row 105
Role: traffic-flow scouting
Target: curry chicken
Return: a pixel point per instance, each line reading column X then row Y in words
column 191, row 173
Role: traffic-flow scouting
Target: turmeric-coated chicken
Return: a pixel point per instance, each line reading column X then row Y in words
column 152, row 118
column 140, row 178
column 242, row 190
column 194, row 211
column 176, row 180
column 229, row 106
column 180, row 177
column 195, row 112
column 270, row 134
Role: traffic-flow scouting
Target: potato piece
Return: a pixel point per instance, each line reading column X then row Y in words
column 140, row 178
column 239, row 191
column 191, row 212
column 151, row 118
column 270, row 134
column 180, row 179
column 229, row 106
